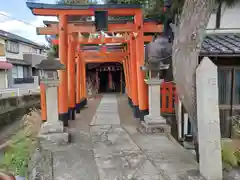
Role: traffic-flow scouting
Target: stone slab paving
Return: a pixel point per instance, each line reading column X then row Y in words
column 169, row 158
column 116, row 155
column 107, row 112
column 76, row 160
column 109, row 152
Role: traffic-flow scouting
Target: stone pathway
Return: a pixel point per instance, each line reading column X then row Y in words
column 107, row 112
column 116, row 155
column 114, row 151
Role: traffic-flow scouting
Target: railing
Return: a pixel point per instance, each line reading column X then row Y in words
column 5, row 93
column 168, row 97
column 28, row 80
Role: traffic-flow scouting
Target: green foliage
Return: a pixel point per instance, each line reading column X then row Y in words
column 17, row 155
column 236, row 124
column 237, row 154
column 228, row 155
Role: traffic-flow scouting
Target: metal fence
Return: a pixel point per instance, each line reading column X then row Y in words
column 14, row 92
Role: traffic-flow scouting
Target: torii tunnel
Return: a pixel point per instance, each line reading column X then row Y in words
column 76, row 51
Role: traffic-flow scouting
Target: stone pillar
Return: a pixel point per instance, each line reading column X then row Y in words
column 52, row 102
column 52, row 131
column 154, row 122
column 209, row 137
column 154, row 101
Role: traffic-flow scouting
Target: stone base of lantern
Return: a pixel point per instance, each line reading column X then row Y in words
column 152, row 125
column 53, row 133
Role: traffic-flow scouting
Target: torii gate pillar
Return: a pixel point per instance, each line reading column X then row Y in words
column 63, row 86
column 142, row 86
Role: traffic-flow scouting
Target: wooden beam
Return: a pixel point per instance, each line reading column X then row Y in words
column 102, row 60
column 97, row 41
column 147, row 38
column 91, row 54
column 152, row 27
column 83, row 12
column 105, row 41
column 81, row 28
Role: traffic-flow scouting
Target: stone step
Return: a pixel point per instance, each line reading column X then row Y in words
column 56, row 138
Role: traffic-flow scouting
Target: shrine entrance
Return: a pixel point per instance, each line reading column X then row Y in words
column 108, row 78
column 98, row 41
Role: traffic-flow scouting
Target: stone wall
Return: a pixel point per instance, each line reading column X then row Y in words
column 14, row 107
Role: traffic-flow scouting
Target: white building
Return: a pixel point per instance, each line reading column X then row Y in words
column 18, row 56
column 222, row 46
column 228, row 19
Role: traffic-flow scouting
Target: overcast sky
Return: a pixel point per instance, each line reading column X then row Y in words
column 17, row 9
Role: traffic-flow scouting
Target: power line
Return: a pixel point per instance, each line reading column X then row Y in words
column 17, row 19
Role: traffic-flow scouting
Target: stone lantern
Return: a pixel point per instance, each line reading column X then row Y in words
column 52, row 130
column 49, row 77
column 157, row 63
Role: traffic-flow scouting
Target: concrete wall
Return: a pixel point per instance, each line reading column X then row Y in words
column 14, row 107
column 228, row 17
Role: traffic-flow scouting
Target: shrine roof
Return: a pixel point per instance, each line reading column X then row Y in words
column 221, row 45
column 32, row 5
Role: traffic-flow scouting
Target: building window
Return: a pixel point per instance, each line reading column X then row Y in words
column 229, row 96
column 17, row 71
column 12, row 47
column 2, row 49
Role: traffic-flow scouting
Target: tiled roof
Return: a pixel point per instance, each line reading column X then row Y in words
column 32, row 5
column 221, row 45
column 17, row 38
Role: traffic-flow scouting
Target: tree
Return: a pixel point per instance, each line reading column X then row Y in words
column 189, row 35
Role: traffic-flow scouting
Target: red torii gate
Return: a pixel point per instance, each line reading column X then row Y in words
column 137, row 89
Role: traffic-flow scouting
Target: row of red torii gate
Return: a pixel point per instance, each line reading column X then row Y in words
column 81, row 42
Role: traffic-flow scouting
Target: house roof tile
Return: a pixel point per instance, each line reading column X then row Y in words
column 221, row 45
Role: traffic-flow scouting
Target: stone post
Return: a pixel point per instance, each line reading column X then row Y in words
column 154, row 122
column 51, row 131
column 154, row 102
column 52, row 101
column 209, row 137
